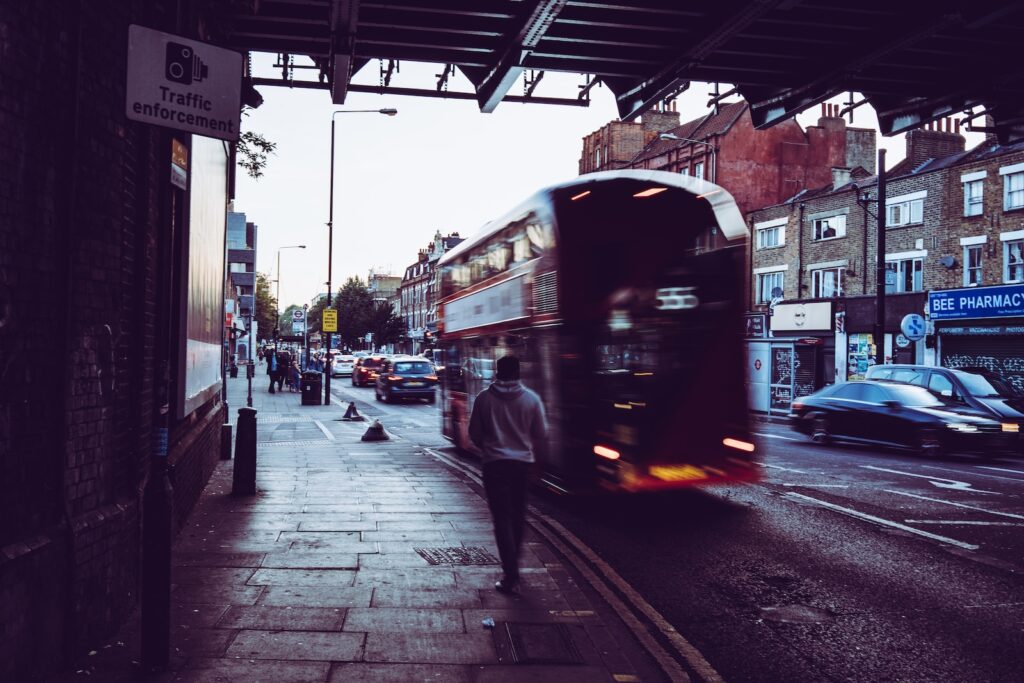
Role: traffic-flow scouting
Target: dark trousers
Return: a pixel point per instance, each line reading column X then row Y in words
column 505, row 482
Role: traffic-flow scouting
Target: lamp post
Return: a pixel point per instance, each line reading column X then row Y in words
column 330, row 239
column 714, row 150
column 277, row 310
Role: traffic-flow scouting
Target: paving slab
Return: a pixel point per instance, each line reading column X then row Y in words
column 316, row 596
column 400, row 673
column 404, row 620
column 282, row 618
column 431, row 648
column 248, row 671
column 321, row 646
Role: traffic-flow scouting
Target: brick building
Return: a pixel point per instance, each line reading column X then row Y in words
column 241, row 285
column 955, row 218
column 420, row 292
column 92, row 226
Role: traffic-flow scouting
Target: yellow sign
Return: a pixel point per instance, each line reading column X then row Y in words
column 330, row 320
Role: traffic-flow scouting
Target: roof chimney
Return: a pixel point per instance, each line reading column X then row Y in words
column 840, row 176
column 659, row 120
column 933, row 141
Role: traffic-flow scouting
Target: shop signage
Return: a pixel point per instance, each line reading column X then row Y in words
column 179, row 165
column 977, row 302
column 982, row 331
column 755, row 327
column 183, row 84
column 902, row 341
column 813, row 341
column 913, row 326
column 802, row 317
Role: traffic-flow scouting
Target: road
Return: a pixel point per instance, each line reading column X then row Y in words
column 843, row 564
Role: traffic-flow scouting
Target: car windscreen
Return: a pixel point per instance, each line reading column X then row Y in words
column 986, row 386
column 910, row 395
column 415, row 368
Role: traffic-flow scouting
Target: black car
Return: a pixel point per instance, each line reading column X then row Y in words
column 895, row 414
column 406, row 378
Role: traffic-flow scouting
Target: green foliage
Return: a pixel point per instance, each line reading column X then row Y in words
column 266, row 307
column 386, row 327
column 253, row 150
column 354, row 303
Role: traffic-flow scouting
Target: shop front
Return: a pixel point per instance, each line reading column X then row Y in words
column 981, row 327
column 858, row 351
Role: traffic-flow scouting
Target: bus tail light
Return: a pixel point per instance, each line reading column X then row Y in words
column 738, row 445
column 606, row 452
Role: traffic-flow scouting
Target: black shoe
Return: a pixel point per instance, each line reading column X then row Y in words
column 504, row 585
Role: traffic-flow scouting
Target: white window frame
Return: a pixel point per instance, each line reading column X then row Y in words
column 1013, row 187
column 778, row 226
column 597, row 157
column 817, row 282
column 974, row 205
column 762, row 275
column 905, row 209
column 973, row 275
column 840, row 227
column 899, row 262
column 698, row 170
column 1013, row 246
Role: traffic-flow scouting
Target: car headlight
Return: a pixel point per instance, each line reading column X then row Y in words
column 962, row 426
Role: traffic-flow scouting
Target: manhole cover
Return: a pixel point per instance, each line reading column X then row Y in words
column 542, row 644
column 460, row 555
column 796, row 614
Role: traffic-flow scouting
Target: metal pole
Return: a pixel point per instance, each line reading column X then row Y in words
column 880, row 269
column 277, row 303
column 249, row 368
column 330, row 261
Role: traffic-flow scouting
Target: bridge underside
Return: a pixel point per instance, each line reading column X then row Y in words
column 913, row 63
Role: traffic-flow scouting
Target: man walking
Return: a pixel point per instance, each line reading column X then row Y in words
column 509, row 427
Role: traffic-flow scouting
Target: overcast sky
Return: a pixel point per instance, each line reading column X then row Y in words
column 438, row 165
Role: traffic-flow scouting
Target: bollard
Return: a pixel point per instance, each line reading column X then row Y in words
column 225, row 441
column 243, row 480
column 376, row 432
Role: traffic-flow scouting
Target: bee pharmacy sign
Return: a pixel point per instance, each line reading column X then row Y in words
column 183, row 84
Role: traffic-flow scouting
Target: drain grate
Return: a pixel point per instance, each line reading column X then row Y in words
column 542, row 644
column 459, row 555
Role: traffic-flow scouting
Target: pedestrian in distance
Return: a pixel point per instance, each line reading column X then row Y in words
column 295, row 377
column 272, row 367
column 509, row 427
column 284, row 361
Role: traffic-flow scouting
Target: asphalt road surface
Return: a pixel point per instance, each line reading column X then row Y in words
column 843, row 564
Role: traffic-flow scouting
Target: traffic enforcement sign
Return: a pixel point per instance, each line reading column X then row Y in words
column 330, row 320
column 298, row 314
column 913, row 326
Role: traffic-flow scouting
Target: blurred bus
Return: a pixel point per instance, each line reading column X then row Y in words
column 621, row 293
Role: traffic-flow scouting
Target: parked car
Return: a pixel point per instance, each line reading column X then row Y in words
column 342, row 364
column 406, row 377
column 895, row 414
column 964, row 389
column 366, row 369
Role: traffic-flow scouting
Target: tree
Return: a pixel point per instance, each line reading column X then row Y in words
column 266, row 307
column 253, row 150
column 315, row 316
column 354, row 303
column 286, row 319
column 386, row 327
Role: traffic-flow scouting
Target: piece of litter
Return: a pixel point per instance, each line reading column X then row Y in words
column 92, row 653
column 488, row 622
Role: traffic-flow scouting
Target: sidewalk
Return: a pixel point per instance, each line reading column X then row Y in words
column 329, row 574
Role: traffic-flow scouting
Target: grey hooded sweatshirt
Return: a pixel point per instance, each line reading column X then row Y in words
column 508, row 422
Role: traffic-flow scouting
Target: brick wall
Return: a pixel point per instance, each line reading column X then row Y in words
column 619, row 142
column 81, row 210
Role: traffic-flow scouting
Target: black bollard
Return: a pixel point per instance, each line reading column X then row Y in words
column 157, row 536
column 243, row 481
column 225, row 441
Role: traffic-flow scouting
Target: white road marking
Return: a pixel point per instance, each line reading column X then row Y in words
column 956, row 522
column 974, row 474
column 942, row 482
column 318, row 423
column 556, row 534
column 822, row 486
column 959, row 505
column 784, row 469
column 777, row 436
column 884, row 522
column 999, row 469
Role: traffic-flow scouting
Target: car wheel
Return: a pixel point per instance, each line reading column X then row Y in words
column 928, row 443
column 820, row 429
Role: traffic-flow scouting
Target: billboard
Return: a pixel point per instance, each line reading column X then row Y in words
column 201, row 367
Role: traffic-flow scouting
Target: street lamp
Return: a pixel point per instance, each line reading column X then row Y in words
column 714, row 150
column 330, row 239
column 277, row 312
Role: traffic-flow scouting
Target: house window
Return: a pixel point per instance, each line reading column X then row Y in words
column 684, row 170
column 766, row 283
column 973, row 197
column 830, row 228
column 904, row 213
column 827, row 282
column 597, row 158
column 698, row 169
column 770, row 237
column 1013, row 191
column 904, row 275
column 972, row 265
column 1013, row 257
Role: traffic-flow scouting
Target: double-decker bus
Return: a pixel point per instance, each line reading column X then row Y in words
column 621, row 294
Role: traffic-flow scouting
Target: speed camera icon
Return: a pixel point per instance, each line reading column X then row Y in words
column 183, row 65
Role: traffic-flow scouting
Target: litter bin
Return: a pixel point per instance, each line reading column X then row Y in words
column 311, row 388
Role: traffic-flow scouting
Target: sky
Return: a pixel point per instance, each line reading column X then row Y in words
column 437, row 165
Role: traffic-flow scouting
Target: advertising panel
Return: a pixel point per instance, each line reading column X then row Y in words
column 205, row 257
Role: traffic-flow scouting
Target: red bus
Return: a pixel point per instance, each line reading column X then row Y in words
column 621, row 293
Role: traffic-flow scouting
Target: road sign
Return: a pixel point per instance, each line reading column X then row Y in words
column 183, row 84
column 298, row 314
column 330, row 320
column 913, row 326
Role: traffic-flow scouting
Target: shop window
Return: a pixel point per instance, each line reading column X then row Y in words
column 904, row 275
column 830, row 228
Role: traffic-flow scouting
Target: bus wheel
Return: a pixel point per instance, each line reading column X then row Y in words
column 820, row 429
